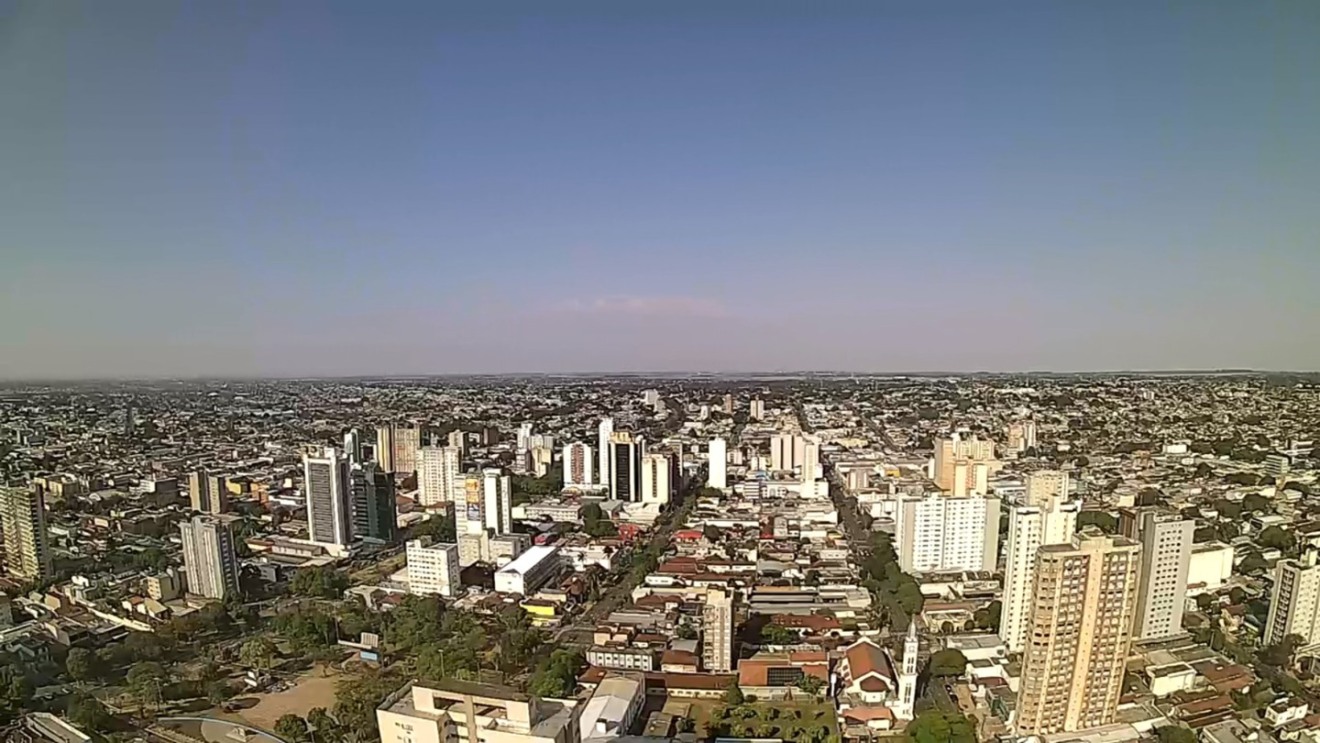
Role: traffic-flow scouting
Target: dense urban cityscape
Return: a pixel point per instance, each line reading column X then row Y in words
column 554, row 559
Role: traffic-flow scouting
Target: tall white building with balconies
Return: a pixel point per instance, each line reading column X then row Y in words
column 941, row 533
column 439, row 475
column 1044, row 517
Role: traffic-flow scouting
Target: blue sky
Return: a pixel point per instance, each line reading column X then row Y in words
column 294, row 188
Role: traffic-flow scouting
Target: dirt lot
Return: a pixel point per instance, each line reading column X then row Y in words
column 315, row 688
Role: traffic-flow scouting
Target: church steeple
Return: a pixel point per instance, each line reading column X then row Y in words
column 905, row 705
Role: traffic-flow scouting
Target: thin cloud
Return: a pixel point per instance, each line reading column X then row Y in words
column 646, row 306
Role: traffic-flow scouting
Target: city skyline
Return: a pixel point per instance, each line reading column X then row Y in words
column 285, row 191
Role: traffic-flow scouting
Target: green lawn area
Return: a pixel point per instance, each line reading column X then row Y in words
column 808, row 722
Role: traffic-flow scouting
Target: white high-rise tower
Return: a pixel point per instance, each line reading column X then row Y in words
column 439, row 471
column 498, row 498
column 606, row 431
column 718, row 456
column 1045, row 518
column 325, row 488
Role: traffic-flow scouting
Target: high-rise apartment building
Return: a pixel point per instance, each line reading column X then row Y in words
column 497, row 495
column 385, row 447
column 728, row 404
column 963, row 465
column 23, row 537
column 809, row 467
column 717, row 631
column 579, row 465
column 325, row 486
column 756, row 409
column 439, row 473
column 523, row 441
column 717, row 464
column 1044, row 517
column 941, row 533
column 1083, row 605
column 1295, row 601
column 433, row 569
column 353, row 446
column 1166, row 552
column 209, row 558
column 458, row 439
column 396, row 448
column 626, row 466
column 540, row 459
column 1020, row 436
column 655, row 478
column 604, row 435
column 208, row 493
column 1045, row 486
column 375, row 516
column 786, row 451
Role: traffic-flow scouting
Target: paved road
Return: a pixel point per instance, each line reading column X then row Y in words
column 619, row 593
column 851, row 521
column 876, row 429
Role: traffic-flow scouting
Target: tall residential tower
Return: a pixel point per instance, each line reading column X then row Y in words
column 209, row 558
column 1083, row 604
column 23, row 537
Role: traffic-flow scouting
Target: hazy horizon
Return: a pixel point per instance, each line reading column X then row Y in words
column 341, row 190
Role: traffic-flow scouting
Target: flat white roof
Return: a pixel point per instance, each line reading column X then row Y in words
column 529, row 559
column 609, row 704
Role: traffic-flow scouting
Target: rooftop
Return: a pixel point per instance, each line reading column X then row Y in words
column 529, row 559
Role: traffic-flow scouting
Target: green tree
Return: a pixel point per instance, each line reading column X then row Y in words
column 1275, row 537
column 257, row 653
column 87, row 712
column 1226, row 531
column 948, row 662
column 776, row 634
column 988, row 618
column 733, row 695
column 1253, row 563
column 356, row 699
column 1228, row 509
column 146, row 680
column 439, row 528
column 319, row 582
column 217, row 691
column 1280, row 654
column 557, row 678
column 144, row 646
column 939, row 727
column 323, row 725
column 1205, row 601
column 81, row 665
column 292, row 728
column 810, row 684
column 1174, row 734
column 1256, row 503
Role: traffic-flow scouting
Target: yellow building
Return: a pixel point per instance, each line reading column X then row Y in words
column 543, row 613
column 1079, row 632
